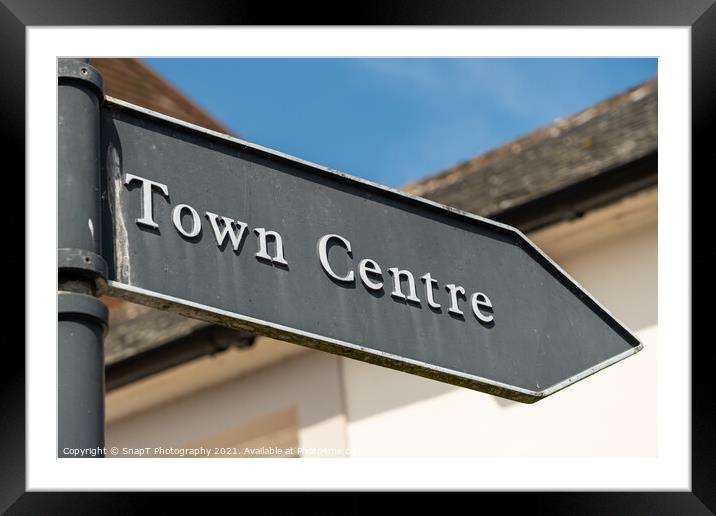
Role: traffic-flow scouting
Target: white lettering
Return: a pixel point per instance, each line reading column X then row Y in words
column 429, row 282
column 454, row 291
column 196, row 221
column 397, row 292
column 323, row 256
column 366, row 267
column 263, row 245
column 147, row 218
column 228, row 229
column 481, row 300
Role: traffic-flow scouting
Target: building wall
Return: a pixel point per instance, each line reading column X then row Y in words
column 612, row 413
column 332, row 406
column 297, row 403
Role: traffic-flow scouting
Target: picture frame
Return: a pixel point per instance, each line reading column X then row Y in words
column 16, row 16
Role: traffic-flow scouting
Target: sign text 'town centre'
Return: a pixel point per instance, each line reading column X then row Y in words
column 219, row 229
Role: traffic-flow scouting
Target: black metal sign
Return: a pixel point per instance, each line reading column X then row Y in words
column 219, row 229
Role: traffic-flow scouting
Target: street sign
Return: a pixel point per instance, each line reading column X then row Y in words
column 219, row 229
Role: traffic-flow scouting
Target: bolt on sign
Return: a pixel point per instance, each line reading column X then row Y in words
column 215, row 228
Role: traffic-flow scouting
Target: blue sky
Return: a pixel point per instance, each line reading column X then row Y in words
column 394, row 121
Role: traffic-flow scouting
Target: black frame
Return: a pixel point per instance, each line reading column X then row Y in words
column 700, row 15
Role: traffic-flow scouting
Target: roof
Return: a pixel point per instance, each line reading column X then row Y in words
column 619, row 130
column 136, row 329
column 134, row 81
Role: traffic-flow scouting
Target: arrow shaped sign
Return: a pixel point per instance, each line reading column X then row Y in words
column 219, row 229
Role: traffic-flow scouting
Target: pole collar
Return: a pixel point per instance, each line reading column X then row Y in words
column 71, row 305
column 83, row 263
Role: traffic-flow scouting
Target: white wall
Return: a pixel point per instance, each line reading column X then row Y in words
column 612, row 413
column 308, row 384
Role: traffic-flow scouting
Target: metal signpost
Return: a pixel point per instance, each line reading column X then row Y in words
column 82, row 318
column 212, row 227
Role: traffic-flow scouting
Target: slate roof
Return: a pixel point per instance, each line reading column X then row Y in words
column 619, row 130
column 135, row 329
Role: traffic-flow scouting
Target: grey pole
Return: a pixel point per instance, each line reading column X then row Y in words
column 82, row 272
